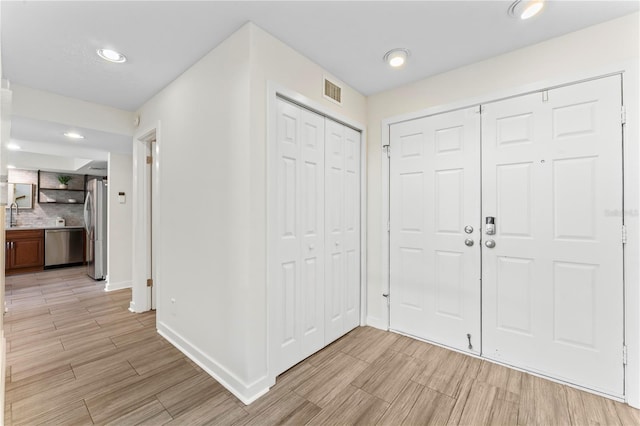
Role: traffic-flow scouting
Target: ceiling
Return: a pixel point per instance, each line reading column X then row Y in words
column 50, row 45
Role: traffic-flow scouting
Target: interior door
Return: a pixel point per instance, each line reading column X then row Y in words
column 434, row 233
column 553, row 284
column 300, row 269
column 342, row 177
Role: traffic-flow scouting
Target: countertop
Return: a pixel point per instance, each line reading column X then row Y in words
column 27, row 228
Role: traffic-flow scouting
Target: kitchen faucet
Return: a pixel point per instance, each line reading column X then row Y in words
column 11, row 222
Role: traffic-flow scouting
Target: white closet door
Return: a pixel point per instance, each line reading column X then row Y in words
column 300, row 275
column 435, row 195
column 553, row 284
column 342, row 237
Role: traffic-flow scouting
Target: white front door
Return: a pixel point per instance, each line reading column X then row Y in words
column 342, row 214
column 553, row 284
column 435, row 195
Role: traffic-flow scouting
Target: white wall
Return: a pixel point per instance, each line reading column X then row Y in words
column 274, row 62
column 120, row 222
column 612, row 42
column 212, row 232
column 47, row 106
column 201, row 236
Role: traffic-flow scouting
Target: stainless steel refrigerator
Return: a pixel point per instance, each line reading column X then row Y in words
column 95, row 222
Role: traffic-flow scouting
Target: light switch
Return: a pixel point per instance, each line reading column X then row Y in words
column 122, row 198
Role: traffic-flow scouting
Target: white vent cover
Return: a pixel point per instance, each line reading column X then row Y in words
column 332, row 91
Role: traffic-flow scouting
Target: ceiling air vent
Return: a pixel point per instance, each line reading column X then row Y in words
column 332, row 91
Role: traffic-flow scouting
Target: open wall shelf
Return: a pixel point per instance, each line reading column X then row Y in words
column 50, row 193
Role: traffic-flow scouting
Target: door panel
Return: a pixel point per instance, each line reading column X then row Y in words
column 352, row 228
column 552, row 286
column 435, row 193
column 343, row 229
column 300, row 188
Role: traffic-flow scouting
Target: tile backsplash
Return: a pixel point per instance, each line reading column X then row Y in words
column 45, row 214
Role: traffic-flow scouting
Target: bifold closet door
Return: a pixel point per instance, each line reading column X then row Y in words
column 435, row 229
column 553, row 284
column 299, row 286
column 342, row 213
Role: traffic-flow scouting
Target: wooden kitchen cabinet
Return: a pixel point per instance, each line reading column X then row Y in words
column 24, row 251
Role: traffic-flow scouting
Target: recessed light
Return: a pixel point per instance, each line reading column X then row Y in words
column 74, row 135
column 525, row 9
column 13, row 147
column 396, row 57
column 111, row 55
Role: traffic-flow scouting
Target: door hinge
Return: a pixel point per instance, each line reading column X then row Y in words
column 545, row 96
column 149, row 159
column 624, row 354
column 387, row 150
column 149, row 282
column 623, row 114
column 624, row 234
column 388, row 297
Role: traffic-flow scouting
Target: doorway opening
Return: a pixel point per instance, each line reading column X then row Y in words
column 145, row 179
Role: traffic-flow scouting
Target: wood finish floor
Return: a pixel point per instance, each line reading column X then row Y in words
column 77, row 356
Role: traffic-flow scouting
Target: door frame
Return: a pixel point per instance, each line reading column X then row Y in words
column 144, row 202
column 274, row 91
column 631, row 199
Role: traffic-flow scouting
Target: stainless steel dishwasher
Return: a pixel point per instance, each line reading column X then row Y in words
column 63, row 246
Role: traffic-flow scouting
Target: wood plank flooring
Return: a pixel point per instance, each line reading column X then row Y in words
column 77, row 356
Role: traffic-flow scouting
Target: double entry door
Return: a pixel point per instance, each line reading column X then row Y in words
column 506, row 226
column 317, row 248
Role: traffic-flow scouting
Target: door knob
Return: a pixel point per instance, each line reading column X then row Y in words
column 468, row 242
column 311, row 246
column 468, row 229
column 490, row 243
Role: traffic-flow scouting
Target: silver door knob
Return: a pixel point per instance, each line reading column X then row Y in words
column 468, row 242
column 490, row 243
column 468, row 229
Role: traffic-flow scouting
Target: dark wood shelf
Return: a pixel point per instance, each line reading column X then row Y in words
column 79, row 199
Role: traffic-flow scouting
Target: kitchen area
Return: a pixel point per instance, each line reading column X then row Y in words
column 55, row 220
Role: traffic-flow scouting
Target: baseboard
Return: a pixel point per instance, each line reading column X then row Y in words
column 132, row 307
column 246, row 393
column 377, row 323
column 109, row 286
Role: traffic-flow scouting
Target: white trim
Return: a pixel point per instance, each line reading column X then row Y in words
column 247, row 393
column 117, row 286
column 363, row 227
column 141, row 294
column 631, row 156
column 275, row 90
column 630, row 77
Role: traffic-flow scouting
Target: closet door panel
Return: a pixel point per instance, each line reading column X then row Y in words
column 312, row 229
column 299, row 308
column 352, row 228
column 335, row 230
column 289, row 238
